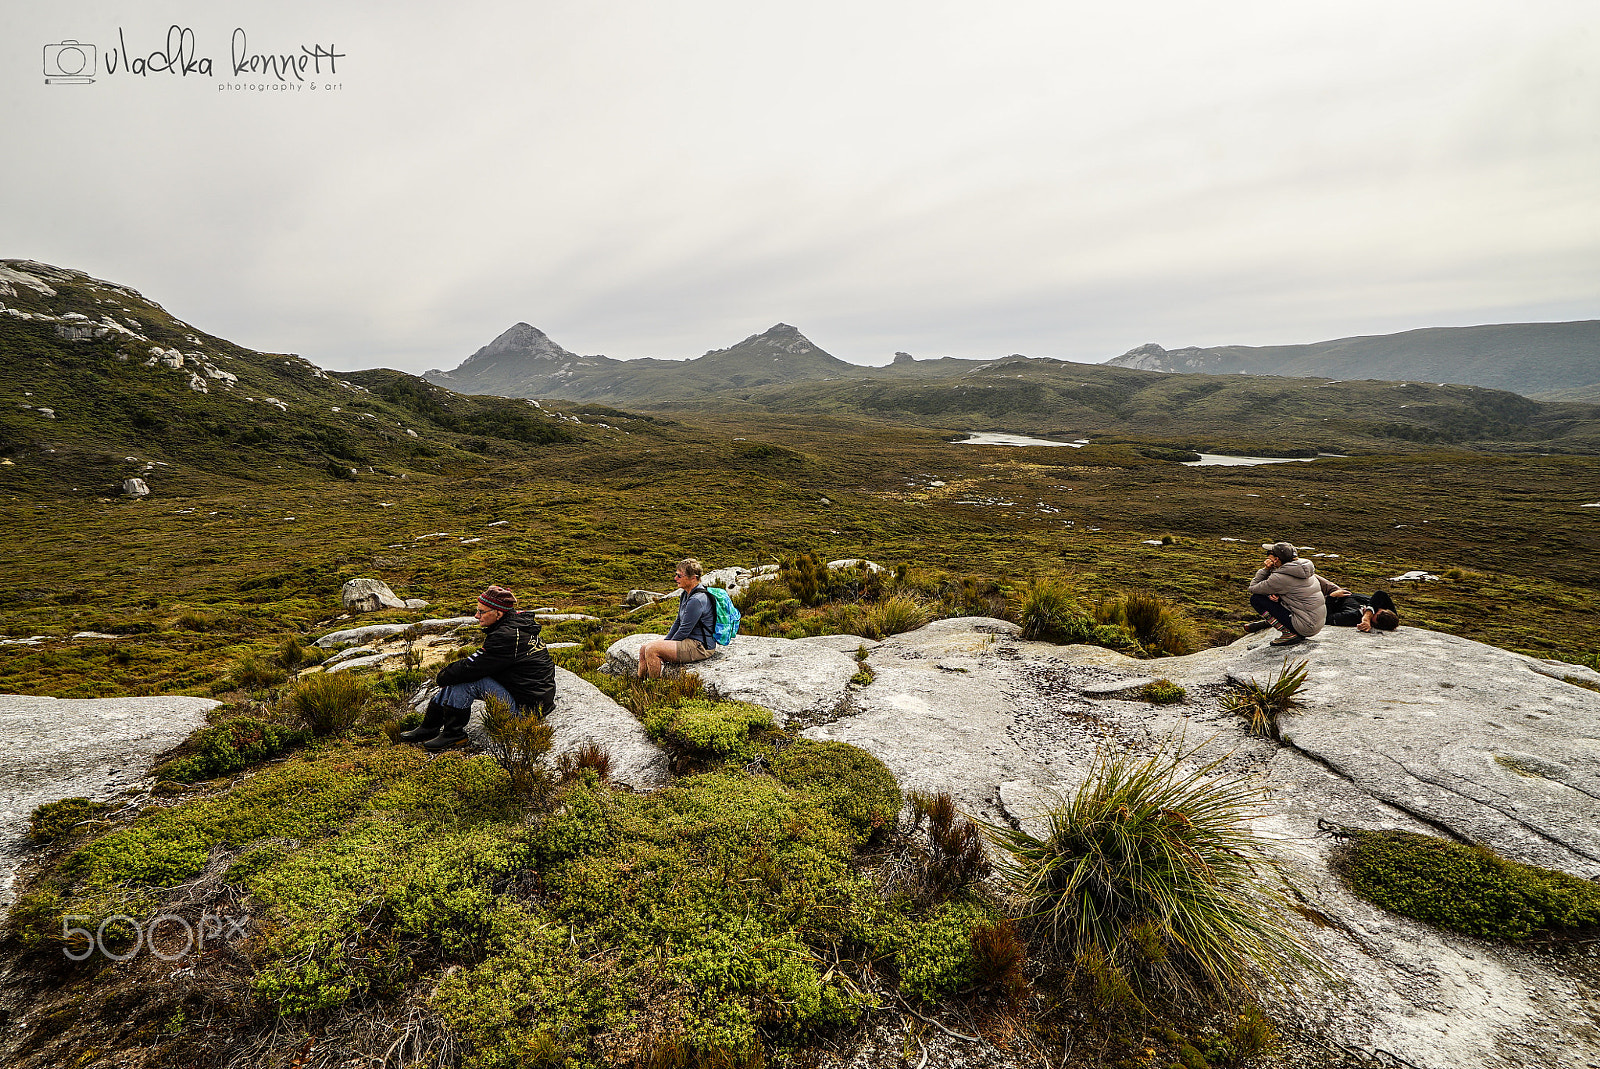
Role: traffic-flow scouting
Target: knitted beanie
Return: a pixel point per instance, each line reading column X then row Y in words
column 499, row 599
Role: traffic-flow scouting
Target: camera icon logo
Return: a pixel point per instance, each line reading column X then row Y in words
column 69, row 63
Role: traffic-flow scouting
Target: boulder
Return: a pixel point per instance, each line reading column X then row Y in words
column 135, row 488
column 377, row 632
column 368, row 595
column 793, row 679
column 348, row 653
column 584, row 713
column 851, row 562
column 642, row 597
column 416, row 604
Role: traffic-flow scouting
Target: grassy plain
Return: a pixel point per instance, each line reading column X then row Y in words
column 733, row 920
column 194, row 582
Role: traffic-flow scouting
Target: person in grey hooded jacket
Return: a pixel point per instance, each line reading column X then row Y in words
column 1287, row 595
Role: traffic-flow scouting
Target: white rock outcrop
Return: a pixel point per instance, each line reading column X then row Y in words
column 368, row 595
column 135, row 488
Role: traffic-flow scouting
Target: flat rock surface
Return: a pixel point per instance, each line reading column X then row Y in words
column 806, row 681
column 78, row 747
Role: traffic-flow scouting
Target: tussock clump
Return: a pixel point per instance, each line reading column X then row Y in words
column 894, row 616
column 591, row 757
column 253, row 673
column 1157, row 628
column 1149, row 879
column 329, row 704
column 1262, row 704
column 1468, row 889
column 1050, row 613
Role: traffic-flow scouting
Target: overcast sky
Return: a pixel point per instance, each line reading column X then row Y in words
column 949, row 179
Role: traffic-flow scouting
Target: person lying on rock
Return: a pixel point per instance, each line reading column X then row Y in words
column 1354, row 610
column 512, row 665
column 693, row 634
column 1286, row 594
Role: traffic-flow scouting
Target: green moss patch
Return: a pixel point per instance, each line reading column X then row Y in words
column 1468, row 889
column 857, row 787
column 231, row 746
column 709, row 731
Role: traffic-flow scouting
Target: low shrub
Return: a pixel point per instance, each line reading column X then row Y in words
column 1150, row 878
column 519, row 741
column 1468, row 889
column 856, row 787
column 1050, row 613
column 1157, row 628
column 936, row 956
column 1163, row 692
column 55, row 821
column 230, row 746
column 329, row 703
column 1262, row 704
column 954, row 858
column 709, row 731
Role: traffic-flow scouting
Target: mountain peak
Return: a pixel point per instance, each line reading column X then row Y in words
column 904, row 358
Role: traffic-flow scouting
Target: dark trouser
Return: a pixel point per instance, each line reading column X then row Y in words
column 1276, row 611
column 1346, row 611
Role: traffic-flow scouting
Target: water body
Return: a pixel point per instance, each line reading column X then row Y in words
column 1206, row 459
column 996, row 438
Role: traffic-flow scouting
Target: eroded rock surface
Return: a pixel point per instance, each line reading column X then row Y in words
column 78, row 747
column 369, row 595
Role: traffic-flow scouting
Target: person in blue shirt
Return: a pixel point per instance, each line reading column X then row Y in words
column 693, row 634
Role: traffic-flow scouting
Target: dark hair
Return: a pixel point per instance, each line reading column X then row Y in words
column 1385, row 620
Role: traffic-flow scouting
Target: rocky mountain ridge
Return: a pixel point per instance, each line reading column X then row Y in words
column 1538, row 360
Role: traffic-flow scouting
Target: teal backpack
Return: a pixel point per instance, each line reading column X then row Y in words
column 727, row 628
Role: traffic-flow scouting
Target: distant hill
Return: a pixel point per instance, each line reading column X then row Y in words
column 99, row 383
column 1206, row 413
column 1533, row 359
column 524, row 362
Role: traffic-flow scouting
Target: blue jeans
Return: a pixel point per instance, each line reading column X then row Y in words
column 1276, row 609
column 462, row 695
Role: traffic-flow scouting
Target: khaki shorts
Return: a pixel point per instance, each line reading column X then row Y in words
column 689, row 651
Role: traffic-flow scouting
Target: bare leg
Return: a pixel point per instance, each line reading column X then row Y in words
column 652, row 653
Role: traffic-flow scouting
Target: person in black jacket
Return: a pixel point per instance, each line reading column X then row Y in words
column 512, row 665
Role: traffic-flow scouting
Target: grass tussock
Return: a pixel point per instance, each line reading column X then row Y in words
column 1149, row 880
column 1261, row 704
column 329, row 704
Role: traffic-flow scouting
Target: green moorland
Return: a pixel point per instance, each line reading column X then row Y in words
column 398, row 906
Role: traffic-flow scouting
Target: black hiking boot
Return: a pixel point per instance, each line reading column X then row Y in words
column 432, row 721
column 454, row 730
